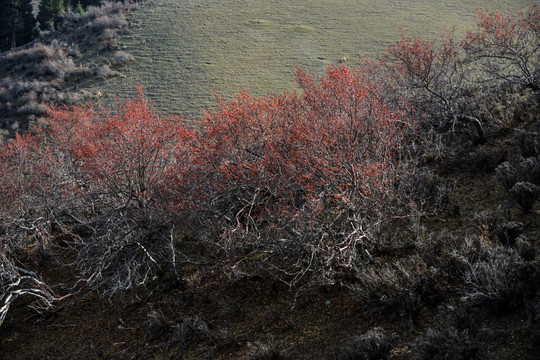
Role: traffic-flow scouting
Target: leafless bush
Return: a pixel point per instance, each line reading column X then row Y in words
column 526, row 248
column 57, row 68
column 502, row 107
column 384, row 282
column 15, row 87
column 45, row 67
column 429, row 192
column 5, row 94
column 106, row 22
column 493, row 275
column 30, row 96
column 107, row 8
column 501, row 278
column 37, row 54
column 34, row 54
column 104, row 71
column 51, row 60
column 121, row 58
column 108, row 34
column 506, row 174
column 526, row 143
column 488, row 223
column 108, row 44
column 519, row 170
column 462, row 251
column 32, row 108
column 508, row 231
column 123, row 250
column 74, row 52
column 506, row 47
column 399, row 286
column 80, row 73
column 483, row 159
column 373, row 345
column 438, row 83
column 71, row 97
column 15, row 126
column 450, row 344
column 529, row 170
column 434, row 247
column 525, row 195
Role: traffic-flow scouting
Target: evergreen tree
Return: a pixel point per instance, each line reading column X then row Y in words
column 87, row 3
column 49, row 13
column 79, row 9
column 17, row 23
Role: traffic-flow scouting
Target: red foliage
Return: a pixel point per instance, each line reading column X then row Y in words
column 24, row 172
column 125, row 154
column 320, row 165
column 508, row 47
column 351, row 134
column 297, row 161
column 314, row 171
column 253, row 142
column 299, row 164
column 430, row 74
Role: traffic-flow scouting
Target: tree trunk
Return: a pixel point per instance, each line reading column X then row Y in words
column 12, row 43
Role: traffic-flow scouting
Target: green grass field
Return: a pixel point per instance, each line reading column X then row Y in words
column 187, row 49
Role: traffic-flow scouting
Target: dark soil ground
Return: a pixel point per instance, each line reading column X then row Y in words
column 229, row 322
column 211, row 316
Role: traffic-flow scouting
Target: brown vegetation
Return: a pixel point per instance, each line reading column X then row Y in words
column 387, row 212
column 40, row 72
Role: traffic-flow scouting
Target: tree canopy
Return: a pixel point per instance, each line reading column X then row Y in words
column 49, row 12
column 17, row 23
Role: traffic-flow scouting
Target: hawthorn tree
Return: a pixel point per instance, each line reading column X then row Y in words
column 507, row 47
column 117, row 162
column 309, row 175
column 445, row 80
column 436, row 79
column 123, row 155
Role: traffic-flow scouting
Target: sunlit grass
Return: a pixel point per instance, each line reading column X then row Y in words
column 187, row 49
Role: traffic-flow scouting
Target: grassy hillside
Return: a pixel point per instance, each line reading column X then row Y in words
column 386, row 212
column 186, row 49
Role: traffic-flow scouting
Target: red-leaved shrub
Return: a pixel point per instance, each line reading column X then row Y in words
column 307, row 176
column 311, row 173
column 507, row 47
column 123, row 155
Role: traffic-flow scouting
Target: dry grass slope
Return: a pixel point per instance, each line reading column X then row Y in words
column 185, row 50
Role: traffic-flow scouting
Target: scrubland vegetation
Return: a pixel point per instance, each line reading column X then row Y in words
column 51, row 69
column 387, row 211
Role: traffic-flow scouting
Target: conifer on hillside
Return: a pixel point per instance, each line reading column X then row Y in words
column 49, row 13
column 17, row 23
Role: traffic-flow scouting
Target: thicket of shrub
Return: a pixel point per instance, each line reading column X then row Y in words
column 320, row 188
column 273, row 175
